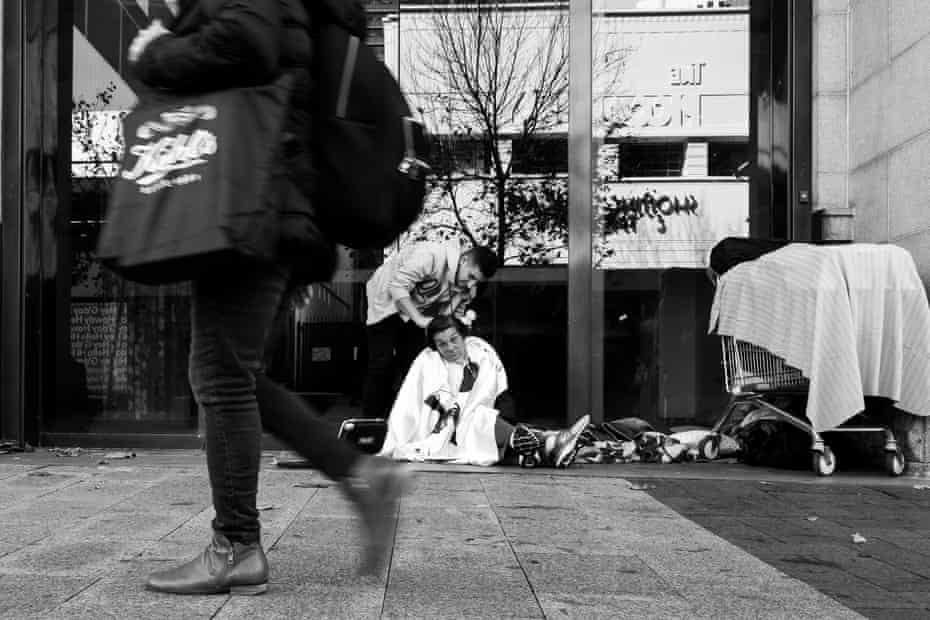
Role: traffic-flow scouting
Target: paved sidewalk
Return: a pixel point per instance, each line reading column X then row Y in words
column 78, row 537
column 806, row 527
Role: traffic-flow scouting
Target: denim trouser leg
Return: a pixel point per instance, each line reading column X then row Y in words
column 231, row 319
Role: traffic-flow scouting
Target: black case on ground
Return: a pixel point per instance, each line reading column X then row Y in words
column 366, row 433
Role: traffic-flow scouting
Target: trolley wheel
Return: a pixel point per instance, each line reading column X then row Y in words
column 709, row 447
column 824, row 462
column 894, row 462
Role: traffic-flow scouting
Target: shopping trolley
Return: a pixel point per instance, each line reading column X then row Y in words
column 752, row 375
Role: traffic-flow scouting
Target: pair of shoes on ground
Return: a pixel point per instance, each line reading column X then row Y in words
column 549, row 448
column 224, row 567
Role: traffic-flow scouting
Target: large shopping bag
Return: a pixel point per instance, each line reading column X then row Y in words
column 191, row 196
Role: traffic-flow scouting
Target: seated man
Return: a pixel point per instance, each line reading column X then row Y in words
column 449, row 404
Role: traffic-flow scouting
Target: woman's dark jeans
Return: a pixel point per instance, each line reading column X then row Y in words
column 231, row 318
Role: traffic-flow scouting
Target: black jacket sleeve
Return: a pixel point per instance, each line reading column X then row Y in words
column 237, row 43
column 350, row 14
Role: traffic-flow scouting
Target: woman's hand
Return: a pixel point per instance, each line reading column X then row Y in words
column 146, row 36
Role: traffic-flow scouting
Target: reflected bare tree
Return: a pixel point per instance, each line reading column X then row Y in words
column 491, row 82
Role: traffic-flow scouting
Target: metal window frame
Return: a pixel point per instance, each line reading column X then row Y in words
column 11, row 199
column 581, row 335
column 35, row 46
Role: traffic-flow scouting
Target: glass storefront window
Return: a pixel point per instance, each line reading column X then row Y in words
column 670, row 126
column 490, row 82
column 670, row 140
column 121, row 351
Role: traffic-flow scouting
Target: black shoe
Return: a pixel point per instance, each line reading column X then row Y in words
column 222, row 568
column 376, row 486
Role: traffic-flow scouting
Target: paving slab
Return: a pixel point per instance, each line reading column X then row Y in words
column 356, row 602
column 615, row 606
column 559, row 573
column 296, row 566
column 63, row 556
column 587, row 542
column 443, row 591
column 23, row 596
column 120, row 595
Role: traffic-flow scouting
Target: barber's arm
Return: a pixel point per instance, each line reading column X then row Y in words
column 407, row 306
column 415, row 268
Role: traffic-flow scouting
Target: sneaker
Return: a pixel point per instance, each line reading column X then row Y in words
column 376, row 486
column 559, row 447
column 524, row 440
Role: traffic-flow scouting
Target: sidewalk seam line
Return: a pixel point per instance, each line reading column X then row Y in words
column 516, row 557
column 390, row 560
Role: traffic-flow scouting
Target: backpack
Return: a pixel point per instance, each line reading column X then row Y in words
column 773, row 443
column 368, row 150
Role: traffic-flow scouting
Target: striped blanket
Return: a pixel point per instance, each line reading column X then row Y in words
column 853, row 318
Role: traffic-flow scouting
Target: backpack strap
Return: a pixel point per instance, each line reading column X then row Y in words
column 350, row 14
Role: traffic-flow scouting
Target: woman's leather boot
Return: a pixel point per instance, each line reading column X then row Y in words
column 376, row 485
column 222, row 568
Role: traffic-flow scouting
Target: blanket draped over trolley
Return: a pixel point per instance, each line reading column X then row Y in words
column 854, row 319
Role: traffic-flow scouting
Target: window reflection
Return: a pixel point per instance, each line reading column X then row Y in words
column 490, row 82
column 670, row 145
column 122, row 363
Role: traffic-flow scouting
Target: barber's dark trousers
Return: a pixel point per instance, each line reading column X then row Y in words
column 231, row 318
column 393, row 344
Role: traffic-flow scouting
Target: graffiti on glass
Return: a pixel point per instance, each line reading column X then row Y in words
column 623, row 213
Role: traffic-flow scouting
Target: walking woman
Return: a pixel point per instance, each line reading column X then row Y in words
column 220, row 44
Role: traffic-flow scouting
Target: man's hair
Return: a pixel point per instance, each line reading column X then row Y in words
column 485, row 258
column 440, row 324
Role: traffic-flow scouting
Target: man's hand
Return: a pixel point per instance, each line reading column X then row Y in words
column 406, row 305
column 146, row 36
column 469, row 318
column 300, row 297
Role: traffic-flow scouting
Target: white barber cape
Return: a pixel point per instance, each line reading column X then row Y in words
column 409, row 435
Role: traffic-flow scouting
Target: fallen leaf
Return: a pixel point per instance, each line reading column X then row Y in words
column 858, row 538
